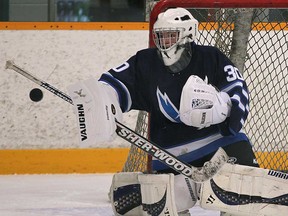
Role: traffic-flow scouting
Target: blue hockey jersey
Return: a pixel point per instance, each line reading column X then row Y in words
column 144, row 83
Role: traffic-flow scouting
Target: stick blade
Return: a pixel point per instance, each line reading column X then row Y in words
column 210, row 168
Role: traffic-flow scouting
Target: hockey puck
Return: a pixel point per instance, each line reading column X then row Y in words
column 36, row 95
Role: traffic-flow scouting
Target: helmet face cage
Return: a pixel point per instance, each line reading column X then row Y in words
column 172, row 30
column 167, row 38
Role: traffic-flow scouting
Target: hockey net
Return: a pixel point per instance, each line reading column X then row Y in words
column 254, row 35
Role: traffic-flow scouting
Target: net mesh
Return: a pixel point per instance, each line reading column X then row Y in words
column 256, row 41
column 138, row 160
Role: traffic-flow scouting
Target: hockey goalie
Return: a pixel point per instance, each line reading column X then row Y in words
column 198, row 102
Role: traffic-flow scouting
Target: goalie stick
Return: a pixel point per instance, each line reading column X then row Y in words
column 197, row 174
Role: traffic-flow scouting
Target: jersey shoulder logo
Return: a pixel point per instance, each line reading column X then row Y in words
column 167, row 108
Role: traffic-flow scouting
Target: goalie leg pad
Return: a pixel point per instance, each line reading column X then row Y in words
column 185, row 193
column 125, row 194
column 158, row 194
column 229, row 214
column 143, row 194
column 244, row 190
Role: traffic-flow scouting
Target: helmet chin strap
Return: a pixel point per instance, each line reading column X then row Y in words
column 165, row 53
column 183, row 60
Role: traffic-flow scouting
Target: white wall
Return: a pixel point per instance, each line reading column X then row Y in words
column 63, row 57
column 59, row 58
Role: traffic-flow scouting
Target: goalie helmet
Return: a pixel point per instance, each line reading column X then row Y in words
column 172, row 32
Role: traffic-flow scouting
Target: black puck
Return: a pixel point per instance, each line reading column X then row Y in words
column 36, row 95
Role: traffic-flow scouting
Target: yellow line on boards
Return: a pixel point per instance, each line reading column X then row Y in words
column 74, row 25
column 273, row 160
column 100, row 160
column 261, row 26
column 125, row 26
column 53, row 161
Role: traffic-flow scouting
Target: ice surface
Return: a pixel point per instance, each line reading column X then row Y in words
column 61, row 195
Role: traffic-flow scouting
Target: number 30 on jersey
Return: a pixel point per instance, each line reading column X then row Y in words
column 232, row 73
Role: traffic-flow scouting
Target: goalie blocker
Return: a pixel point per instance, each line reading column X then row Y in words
column 96, row 106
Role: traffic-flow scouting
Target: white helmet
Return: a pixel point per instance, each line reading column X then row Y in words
column 173, row 29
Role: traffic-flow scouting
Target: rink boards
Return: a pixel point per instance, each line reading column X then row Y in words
column 99, row 160
column 40, row 137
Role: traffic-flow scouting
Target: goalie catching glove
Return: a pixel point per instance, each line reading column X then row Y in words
column 201, row 105
column 96, row 106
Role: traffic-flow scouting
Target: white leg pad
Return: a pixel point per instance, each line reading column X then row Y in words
column 143, row 194
column 186, row 194
column 229, row 214
column 158, row 194
column 243, row 190
column 125, row 194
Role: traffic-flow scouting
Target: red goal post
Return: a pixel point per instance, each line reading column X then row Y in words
column 165, row 4
column 254, row 35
